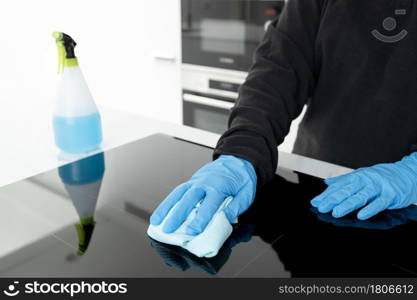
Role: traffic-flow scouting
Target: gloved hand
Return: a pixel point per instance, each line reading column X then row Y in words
column 376, row 188
column 226, row 176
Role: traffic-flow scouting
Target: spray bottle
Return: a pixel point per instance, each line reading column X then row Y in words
column 76, row 120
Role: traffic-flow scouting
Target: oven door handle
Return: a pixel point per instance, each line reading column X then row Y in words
column 208, row 101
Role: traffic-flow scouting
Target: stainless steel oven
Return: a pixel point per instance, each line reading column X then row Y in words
column 219, row 38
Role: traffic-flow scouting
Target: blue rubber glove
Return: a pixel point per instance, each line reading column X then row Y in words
column 376, row 188
column 226, row 176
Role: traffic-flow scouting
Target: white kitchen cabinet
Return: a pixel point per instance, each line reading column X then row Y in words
column 158, row 76
column 148, row 60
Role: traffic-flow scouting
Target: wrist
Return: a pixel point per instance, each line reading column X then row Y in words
column 248, row 166
column 410, row 162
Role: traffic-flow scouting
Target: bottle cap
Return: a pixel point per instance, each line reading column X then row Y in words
column 66, row 54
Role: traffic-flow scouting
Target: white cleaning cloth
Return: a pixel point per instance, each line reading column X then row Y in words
column 205, row 244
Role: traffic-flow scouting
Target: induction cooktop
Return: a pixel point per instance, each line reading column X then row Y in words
column 89, row 219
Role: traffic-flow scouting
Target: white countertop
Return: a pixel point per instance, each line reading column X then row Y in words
column 28, row 147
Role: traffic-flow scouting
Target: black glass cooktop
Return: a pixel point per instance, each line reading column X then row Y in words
column 89, row 219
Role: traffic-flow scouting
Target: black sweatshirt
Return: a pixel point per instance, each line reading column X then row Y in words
column 354, row 63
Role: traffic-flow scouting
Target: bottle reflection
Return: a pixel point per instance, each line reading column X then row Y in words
column 82, row 180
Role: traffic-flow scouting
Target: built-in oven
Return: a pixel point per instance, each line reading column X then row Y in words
column 219, row 38
column 205, row 112
column 208, row 96
column 224, row 33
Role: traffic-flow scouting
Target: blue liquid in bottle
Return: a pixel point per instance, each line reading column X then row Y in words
column 78, row 134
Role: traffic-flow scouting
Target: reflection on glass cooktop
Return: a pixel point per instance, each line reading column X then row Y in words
column 89, row 219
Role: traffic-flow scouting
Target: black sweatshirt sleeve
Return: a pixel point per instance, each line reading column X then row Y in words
column 278, row 85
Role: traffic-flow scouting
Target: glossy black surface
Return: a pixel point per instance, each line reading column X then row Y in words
column 311, row 244
column 280, row 236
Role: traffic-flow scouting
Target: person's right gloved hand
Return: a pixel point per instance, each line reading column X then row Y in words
column 226, row 176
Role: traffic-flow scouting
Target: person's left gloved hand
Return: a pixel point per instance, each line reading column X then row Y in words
column 376, row 188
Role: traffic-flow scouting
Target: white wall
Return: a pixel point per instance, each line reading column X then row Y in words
column 116, row 43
